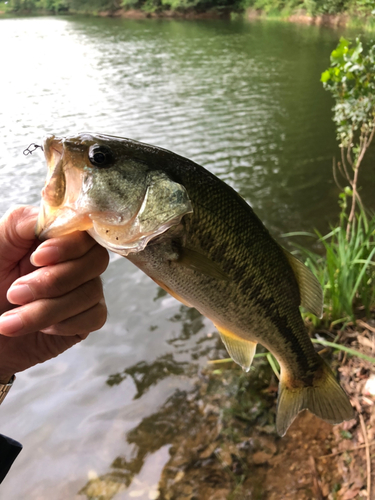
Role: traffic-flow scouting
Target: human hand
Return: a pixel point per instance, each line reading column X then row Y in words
column 51, row 303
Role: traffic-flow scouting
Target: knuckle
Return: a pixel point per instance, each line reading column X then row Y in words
column 91, row 291
column 82, row 242
column 98, row 317
column 102, row 315
column 100, row 258
column 35, row 315
column 53, row 282
column 104, row 258
column 82, row 336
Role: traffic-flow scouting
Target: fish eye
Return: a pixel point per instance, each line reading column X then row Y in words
column 100, row 156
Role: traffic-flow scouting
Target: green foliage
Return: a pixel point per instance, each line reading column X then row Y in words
column 351, row 80
column 55, row 6
column 316, row 7
column 21, row 5
column 180, row 4
column 4, row 7
column 130, row 4
column 38, row 5
column 313, row 7
column 93, row 5
column 279, row 8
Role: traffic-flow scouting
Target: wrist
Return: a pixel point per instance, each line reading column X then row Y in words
column 5, row 378
column 5, row 388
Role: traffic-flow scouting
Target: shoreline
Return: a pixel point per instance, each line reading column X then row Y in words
column 165, row 14
column 342, row 20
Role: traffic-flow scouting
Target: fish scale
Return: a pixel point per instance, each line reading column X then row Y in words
column 201, row 242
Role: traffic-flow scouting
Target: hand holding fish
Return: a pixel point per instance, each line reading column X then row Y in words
column 50, row 303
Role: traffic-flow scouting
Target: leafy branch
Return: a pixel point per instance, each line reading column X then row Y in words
column 351, row 80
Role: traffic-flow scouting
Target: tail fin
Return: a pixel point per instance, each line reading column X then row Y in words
column 325, row 398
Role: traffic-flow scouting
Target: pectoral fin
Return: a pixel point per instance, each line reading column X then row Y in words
column 309, row 287
column 240, row 350
column 201, row 263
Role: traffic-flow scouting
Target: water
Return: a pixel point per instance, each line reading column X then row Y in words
column 242, row 99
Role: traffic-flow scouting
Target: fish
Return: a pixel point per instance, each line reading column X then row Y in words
column 199, row 240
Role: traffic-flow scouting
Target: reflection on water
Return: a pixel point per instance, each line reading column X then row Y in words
column 242, row 99
column 145, row 375
column 191, row 324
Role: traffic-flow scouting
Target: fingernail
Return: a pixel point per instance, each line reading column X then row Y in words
column 10, row 323
column 20, row 294
column 44, row 256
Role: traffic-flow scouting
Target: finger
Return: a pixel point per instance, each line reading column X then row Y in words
column 69, row 247
column 17, row 233
column 60, row 279
column 43, row 313
column 82, row 324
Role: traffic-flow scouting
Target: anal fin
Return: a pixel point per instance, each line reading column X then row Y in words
column 240, row 350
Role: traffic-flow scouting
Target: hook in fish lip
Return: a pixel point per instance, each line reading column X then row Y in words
column 29, row 151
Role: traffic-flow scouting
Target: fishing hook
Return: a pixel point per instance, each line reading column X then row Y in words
column 29, row 151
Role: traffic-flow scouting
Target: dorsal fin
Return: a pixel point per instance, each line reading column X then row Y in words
column 309, row 287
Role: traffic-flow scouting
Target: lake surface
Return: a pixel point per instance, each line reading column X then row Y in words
column 242, row 99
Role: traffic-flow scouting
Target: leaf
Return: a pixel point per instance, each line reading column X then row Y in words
column 326, row 75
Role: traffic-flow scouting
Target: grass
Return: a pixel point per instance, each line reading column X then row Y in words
column 275, row 366
column 346, row 269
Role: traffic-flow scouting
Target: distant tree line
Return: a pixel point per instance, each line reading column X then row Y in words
column 313, row 7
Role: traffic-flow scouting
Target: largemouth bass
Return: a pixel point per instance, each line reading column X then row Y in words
column 201, row 242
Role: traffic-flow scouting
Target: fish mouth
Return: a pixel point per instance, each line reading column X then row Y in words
column 123, row 215
column 52, row 223
column 57, row 217
column 53, row 149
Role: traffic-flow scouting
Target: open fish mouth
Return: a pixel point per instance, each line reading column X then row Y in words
column 54, row 223
column 58, row 216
